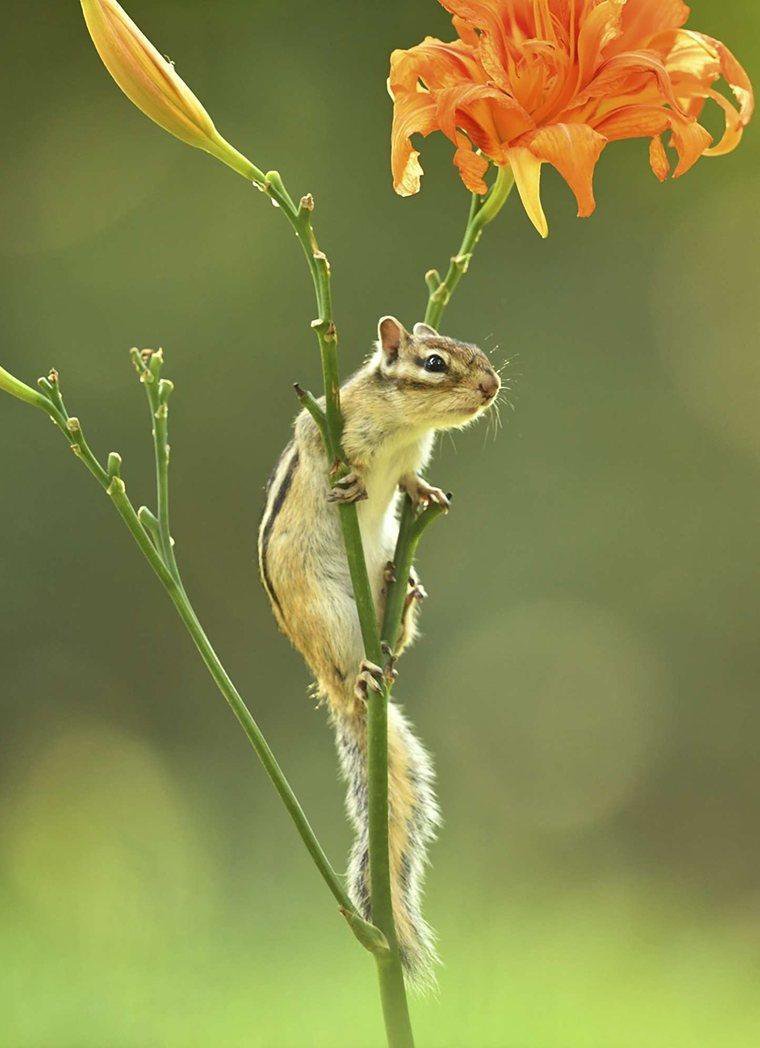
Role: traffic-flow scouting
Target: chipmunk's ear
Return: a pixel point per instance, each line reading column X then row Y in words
column 392, row 335
column 421, row 330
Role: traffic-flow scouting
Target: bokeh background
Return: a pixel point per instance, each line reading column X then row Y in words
column 588, row 680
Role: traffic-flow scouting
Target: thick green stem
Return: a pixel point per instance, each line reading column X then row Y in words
column 482, row 211
column 392, row 989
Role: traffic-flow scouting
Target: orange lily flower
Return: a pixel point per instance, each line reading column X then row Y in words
column 553, row 81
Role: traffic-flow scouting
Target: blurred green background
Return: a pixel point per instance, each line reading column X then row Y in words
column 588, row 680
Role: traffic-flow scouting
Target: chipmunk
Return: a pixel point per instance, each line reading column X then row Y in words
column 410, row 387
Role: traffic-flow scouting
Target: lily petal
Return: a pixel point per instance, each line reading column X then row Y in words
column 534, row 81
column 658, row 158
column 472, row 166
column 413, row 114
column 736, row 78
column 637, row 121
column 644, row 19
column 734, row 129
column 574, row 150
column 690, row 140
column 526, row 168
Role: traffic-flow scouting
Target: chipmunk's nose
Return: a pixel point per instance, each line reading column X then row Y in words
column 489, row 386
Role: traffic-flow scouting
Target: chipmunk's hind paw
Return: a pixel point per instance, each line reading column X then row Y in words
column 372, row 677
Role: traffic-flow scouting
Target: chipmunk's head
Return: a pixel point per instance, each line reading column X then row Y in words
column 445, row 383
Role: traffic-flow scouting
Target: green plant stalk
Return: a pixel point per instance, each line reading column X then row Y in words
column 411, row 527
column 390, row 975
column 482, row 211
column 155, row 542
column 51, row 402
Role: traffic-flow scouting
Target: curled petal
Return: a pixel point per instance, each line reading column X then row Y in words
column 413, row 114
column 736, row 78
column 574, row 150
column 493, row 22
column 689, row 56
column 734, row 129
column 624, row 69
column 690, row 140
column 526, row 167
column 436, row 64
column 472, row 166
column 633, row 121
column 658, row 158
column 488, row 115
column 598, row 30
column 644, row 19
column 466, row 32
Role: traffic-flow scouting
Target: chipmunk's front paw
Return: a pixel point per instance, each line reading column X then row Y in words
column 422, row 494
column 347, row 490
column 370, row 678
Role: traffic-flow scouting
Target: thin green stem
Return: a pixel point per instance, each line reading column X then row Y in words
column 411, row 527
column 116, row 491
column 392, row 989
column 148, row 365
column 309, row 401
column 147, row 532
column 482, row 211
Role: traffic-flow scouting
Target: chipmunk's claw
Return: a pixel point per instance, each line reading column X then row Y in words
column 389, row 572
column 416, row 591
column 391, row 659
column 436, row 495
column 371, row 677
column 422, row 494
column 347, row 490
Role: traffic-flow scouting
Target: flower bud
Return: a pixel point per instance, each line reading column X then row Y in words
column 19, row 389
column 152, row 84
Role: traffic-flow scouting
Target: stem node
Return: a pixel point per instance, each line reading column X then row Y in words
column 369, row 936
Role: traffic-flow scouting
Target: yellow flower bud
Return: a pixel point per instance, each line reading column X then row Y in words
column 151, row 82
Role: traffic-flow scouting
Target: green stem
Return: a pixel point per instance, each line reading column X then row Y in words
column 150, row 537
column 309, row 401
column 482, row 211
column 411, row 527
column 148, row 365
column 390, row 976
column 116, row 491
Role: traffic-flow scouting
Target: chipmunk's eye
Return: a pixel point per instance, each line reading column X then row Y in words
column 435, row 363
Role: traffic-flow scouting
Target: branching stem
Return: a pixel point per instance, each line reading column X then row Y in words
column 482, row 211
column 152, row 537
column 152, row 534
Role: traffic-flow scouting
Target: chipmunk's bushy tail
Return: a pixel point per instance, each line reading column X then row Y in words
column 413, row 818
